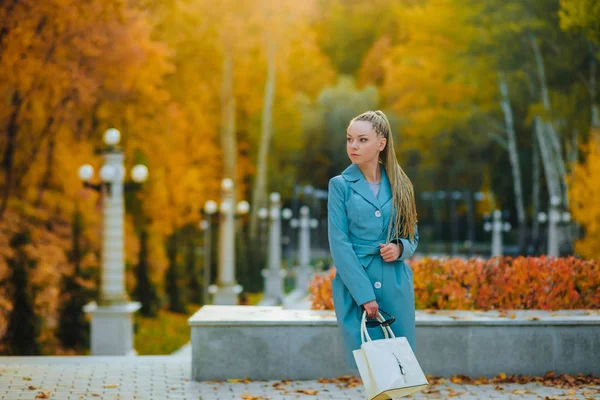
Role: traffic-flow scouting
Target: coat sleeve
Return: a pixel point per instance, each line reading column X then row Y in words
column 347, row 264
column 409, row 246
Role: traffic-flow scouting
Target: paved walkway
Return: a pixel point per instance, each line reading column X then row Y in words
column 168, row 377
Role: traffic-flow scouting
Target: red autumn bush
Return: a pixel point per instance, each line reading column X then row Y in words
column 498, row 283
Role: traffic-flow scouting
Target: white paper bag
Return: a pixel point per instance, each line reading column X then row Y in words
column 388, row 367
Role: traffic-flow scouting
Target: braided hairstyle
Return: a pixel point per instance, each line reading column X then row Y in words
column 403, row 195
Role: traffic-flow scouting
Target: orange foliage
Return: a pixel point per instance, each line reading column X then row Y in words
column 320, row 290
column 498, row 283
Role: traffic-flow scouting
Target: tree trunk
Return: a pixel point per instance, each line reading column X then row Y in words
column 535, row 187
column 228, row 137
column 514, row 159
column 550, row 172
column 48, row 172
column 259, row 193
column 549, row 144
column 593, row 88
column 8, row 159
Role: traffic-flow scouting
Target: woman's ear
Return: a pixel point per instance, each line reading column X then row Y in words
column 382, row 144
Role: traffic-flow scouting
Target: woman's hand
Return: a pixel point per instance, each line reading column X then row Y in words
column 390, row 252
column 372, row 308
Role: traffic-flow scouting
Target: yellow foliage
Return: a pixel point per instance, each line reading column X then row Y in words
column 428, row 77
column 584, row 192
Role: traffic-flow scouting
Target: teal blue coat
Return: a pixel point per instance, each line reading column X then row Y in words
column 357, row 224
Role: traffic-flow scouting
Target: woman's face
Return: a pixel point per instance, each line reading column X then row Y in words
column 362, row 142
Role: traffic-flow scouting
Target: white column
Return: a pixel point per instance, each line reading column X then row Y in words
column 553, row 220
column 304, row 271
column 227, row 290
column 275, row 233
column 274, row 274
column 304, row 237
column 497, row 234
column 112, row 287
column 112, row 319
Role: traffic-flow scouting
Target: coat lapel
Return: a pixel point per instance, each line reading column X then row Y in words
column 359, row 184
column 385, row 191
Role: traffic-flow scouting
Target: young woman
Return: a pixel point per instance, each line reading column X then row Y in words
column 372, row 230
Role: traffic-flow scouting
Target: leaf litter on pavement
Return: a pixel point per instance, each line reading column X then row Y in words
column 551, row 379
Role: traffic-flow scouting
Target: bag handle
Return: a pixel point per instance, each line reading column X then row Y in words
column 364, row 334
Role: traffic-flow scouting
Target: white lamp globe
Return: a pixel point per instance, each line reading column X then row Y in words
column 286, row 213
column 204, row 224
column 275, row 197
column 263, row 213
column 294, row 223
column 226, row 207
column 314, row 223
column 479, row 196
column 566, row 216
column 243, row 207
column 112, row 137
column 139, row 173
column 108, row 172
column 487, row 227
column 227, row 184
column 542, row 217
column 86, row 172
column 304, row 210
column 507, row 226
column 210, row 206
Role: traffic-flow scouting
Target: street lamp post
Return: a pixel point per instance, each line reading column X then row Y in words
column 554, row 217
column 227, row 290
column 210, row 207
column 274, row 274
column 304, row 271
column 454, row 197
column 112, row 326
column 497, row 227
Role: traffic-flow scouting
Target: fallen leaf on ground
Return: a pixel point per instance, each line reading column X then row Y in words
column 310, row 392
column 244, row 380
column 247, row 396
column 111, row 386
column 43, row 394
column 345, row 381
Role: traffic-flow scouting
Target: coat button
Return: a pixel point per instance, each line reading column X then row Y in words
column 377, row 285
column 378, row 214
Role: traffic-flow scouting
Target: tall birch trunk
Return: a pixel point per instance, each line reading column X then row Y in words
column 514, row 158
column 259, row 192
column 549, row 144
column 228, row 136
column 535, row 187
column 593, row 87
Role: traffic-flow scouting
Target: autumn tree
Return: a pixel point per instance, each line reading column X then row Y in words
column 175, row 287
column 24, row 324
column 73, row 327
column 145, row 290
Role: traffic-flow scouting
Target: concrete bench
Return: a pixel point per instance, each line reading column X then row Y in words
column 274, row 343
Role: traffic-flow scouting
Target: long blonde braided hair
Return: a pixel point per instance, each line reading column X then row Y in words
column 403, row 195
